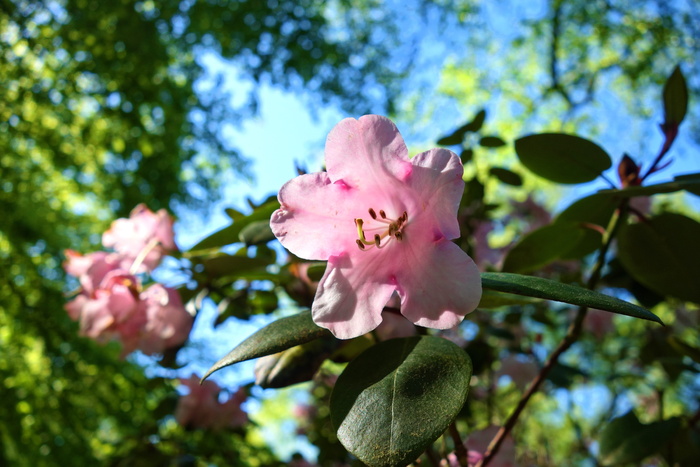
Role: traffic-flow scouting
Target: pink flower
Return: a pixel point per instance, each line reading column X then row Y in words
column 168, row 324
column 521, row 370
column 480, row 440
column 200, row 408
column 90, row 269
column 142, row 238
column 384, row 223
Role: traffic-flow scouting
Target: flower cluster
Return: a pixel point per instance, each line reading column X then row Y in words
column 201, row 407
column 112, row 304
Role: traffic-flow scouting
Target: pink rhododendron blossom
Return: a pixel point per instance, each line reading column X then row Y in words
column 473, row 458
column 520, row 369
column 168, row 324
column 384, row 224
column 112, row 310
column 90, row 269
column 479, row 441
column 201, row 408
column 142, row 238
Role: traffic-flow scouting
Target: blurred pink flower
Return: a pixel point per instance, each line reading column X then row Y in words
column 112, row 310
column 479, row 442
column 200, row 408
column 473, row 458
column 384, row 223
column 143, row 238
column 91, row 268
column 168, row 324
column 520, row 369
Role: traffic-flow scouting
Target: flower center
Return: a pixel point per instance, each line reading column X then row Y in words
column 381, row 227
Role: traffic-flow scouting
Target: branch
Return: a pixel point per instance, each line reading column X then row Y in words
column 571, row 336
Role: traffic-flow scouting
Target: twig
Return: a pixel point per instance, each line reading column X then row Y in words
column 571, row 336
column 460, row 450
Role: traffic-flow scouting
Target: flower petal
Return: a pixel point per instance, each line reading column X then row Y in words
column 438, row 284
column 437, row 181
column 316, row 219
column 352, row 294
column 367, row 152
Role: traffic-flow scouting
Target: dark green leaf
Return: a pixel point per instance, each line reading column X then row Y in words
column 588, row 213
column 295, row 365
column 476, row 123
column 564, row 376
column 491, row 142
column 562, row 158
column 275, row 337
column 675, row 98
column 224, row 265
column 506, row 176
column 542, row 246
column 466, row 155
column 315, row 271
column 491, row 299
column 690, row 182
column 230, row 234
column 663, row 254
column 538, row 287
column 399, row 396
column 256, row 232
column 451, row 140
column 626, row 440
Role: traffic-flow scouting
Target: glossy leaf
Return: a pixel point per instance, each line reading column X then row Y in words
column 399, row 396
column 675, row 98
column 592, row 215
column 256, row 232
column 230, row 234
column 689, row 182
column 294, row 365
column 542, row 246
column 491, row 299
column 562, row 158
column 626, row 440
column 539, row 287
column 506, row 176
column 224, row 265
column 275, row 337
column 663, row 254
column 491, row 142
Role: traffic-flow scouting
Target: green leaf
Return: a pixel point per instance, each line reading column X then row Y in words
column 466, row 155
column 399, row 396
column 694, row 182
column 451, row 140
column 542, row 246
column 224, row 265
column 457, row 136
column 491, row 299
column 675, row 98
column 594, row 210
column 662, row 254
column 275, row 337
column 689, row 182
column 538, row 287
column 562, row 158
column 491, row 142
column 256, row 232
column 295, row 365
column 230, row 234
column 506, row 176
column 476, row 123
column 626, row 440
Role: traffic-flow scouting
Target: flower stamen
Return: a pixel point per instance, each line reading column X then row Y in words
column 393, row 229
